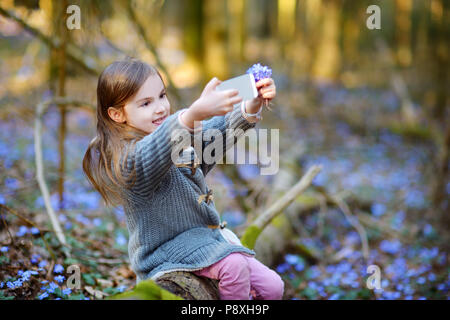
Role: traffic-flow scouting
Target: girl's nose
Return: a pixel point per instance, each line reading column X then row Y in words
column 160, row 109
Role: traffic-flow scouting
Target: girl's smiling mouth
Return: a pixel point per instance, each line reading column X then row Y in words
column 159, row 121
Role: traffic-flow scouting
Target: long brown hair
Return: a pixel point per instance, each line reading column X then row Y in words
column 119, row 82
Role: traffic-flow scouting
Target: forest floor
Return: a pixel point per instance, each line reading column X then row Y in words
column 387, row 172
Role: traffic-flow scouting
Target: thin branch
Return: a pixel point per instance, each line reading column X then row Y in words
column 266, row 217
column 353, row 220
column 89, row 64
column 254, row 230
column 31, row 223
column 41, row 109
column 151, row 47
column 7, row 228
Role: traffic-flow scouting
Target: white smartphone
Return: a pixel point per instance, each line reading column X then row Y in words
column 245, row 84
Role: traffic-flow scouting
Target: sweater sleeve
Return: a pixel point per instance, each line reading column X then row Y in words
column 152, row 155
column 236, row 119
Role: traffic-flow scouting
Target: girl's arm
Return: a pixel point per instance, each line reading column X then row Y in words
column 239, row 118
column 236, row 119
column 152, row 154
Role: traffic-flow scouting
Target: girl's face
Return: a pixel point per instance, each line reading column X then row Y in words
column 148, row 108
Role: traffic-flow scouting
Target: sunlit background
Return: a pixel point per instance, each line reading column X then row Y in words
column 370, row 106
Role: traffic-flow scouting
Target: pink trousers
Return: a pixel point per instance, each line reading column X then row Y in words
column 242, row 278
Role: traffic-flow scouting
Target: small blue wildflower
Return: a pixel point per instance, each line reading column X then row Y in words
column 299, row 266
column 121, row 288
column 18, row 283
column 34, row 230
column 34, row 258
column 67, row 291
column 97, row 222
column 121, row 240
column 291, row 258
column 282, row 268
column 391, row 247
column 44, row 281
column 10, row 285
column 43, row 296
column 26, row 276
column 20, row 272
column 59, row 278
column 260, row 72
column 378, row 209
column 62, row 218
column 51, row 287
column 82, row 219
column 58, row 268
column 421, row 280
column 312, row 285
column 431, row 277
column 42, row 264
column 58, row 298
column 22, row 231
column 4, row 249
column 334, row 296
column 429, row 253
column 314, row 272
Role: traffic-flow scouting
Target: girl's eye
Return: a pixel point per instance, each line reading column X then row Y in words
column 163, row 95
column 146, row 104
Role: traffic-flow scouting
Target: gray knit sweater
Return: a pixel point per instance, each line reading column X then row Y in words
column 168, row 227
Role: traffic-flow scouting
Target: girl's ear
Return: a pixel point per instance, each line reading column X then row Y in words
column 116, row 114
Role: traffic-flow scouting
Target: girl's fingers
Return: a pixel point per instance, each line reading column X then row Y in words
column 269, row 95
column 271, row 89
column 231, row 93
column 236, row 100
column 264, row 82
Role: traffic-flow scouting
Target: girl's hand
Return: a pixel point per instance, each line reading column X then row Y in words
column 213, row 102
column 266, row 91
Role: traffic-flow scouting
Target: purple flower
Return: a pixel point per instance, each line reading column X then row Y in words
column 60, row 278
column 51, row 288
column 335, row 296
column 34, row 258
column 42, row 264
column 67, row 291
column 121, row 240
column 43, row 296
column 260, row 72
column 378, row 209
column 282, row 268
column 22, row 231
column 391, row 247
column 58, row 268
column 291, row 258
column 4, row 249
column 97, row 222
column 121, row 288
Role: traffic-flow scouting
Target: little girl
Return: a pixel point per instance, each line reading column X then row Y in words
column 171, row 218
